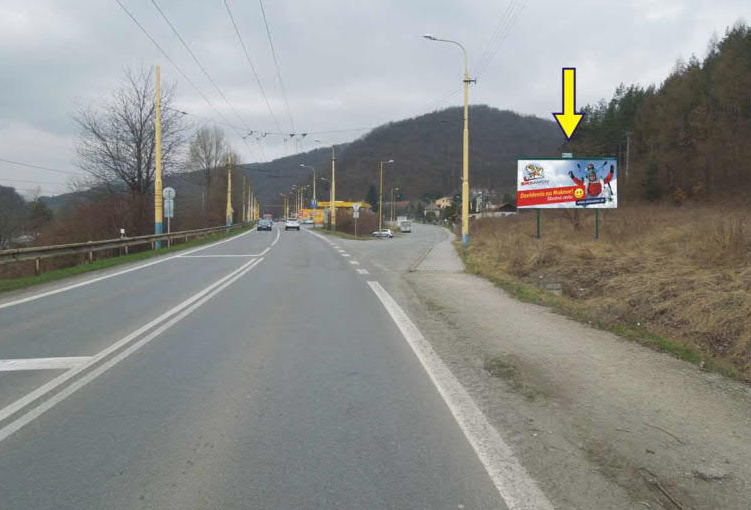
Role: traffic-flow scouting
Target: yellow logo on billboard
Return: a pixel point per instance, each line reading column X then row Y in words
column 579, row 193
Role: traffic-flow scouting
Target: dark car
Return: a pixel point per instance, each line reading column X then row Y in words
column 264, row 224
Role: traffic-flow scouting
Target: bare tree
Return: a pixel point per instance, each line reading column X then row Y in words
column 116, row 143
column 208, row 151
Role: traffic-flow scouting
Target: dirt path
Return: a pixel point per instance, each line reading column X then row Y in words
column 599, row 421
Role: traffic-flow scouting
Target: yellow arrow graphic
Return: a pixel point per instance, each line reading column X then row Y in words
column 568, row 119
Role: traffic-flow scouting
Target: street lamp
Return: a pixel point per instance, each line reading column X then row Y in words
column 315, row 200
column 465, row 159
column 380, row 196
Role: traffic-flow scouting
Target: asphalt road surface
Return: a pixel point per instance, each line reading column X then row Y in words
column 269, row 371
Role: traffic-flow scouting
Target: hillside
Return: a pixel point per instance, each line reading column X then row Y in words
column 427, row 151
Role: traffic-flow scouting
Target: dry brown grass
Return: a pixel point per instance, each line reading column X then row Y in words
column 680, row 273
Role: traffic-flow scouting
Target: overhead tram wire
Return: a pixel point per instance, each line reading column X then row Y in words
column 179, row 70
column 252, row 66
column 276, row 65
column 198, row 63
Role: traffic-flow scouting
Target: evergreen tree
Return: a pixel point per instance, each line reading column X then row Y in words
column 372, row 198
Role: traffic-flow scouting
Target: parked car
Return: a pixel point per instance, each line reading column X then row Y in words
column 387, row 232
column 264, row 224
column 292, row 224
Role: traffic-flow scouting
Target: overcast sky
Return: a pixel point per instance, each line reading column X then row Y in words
column 346, row 64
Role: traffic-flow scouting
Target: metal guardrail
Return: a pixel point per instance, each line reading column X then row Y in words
column 37, row 253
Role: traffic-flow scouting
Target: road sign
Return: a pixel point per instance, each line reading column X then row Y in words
column 169, row 207
column 356, row 214
column 168, row 193
column 314, row 204
column 356, row 207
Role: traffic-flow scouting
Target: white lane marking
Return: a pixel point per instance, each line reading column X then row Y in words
column 363, row 271
column 354, row 262
column 83, row 381
column 118, row 273
column 346, row 255
column 516, row 487
column 14, row 365
column 278, row 233
column 223, row 256
column 24, row 401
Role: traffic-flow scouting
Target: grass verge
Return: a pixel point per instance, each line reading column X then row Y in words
column 343, row 235
column 67, row 272
column 483, row 259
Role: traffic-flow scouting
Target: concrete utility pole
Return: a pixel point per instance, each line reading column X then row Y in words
column 158, row 211
column 245, row 205
column 229, row 192
column 333, row 189
column 380, row 196
column 628, row 153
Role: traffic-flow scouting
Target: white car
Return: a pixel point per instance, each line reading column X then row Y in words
column 387, row 232
column 292, row 224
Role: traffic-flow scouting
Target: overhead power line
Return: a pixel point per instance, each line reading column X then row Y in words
column 166, row 55
column 252, row 66
column 39, row 167
column 276, row 65
column 502, row 32
column 32, row 181
column 198, row 63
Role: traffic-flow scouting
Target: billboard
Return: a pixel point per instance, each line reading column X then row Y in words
column 567, row 183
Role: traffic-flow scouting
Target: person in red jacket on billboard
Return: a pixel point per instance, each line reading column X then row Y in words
column 595, row 186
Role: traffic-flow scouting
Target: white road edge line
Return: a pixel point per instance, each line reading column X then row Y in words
column 516, row 487
column 223, row 256
column 278, row 233
column 118, row 273
column 363, row 271
column 200, row 297
column 15, row 365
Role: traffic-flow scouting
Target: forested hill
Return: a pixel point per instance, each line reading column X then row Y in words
column 689, row 137
column 427, row 151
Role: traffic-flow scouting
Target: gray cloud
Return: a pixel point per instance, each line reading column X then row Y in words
column 346, row 64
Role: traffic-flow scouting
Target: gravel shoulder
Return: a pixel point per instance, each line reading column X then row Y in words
column 600, row 422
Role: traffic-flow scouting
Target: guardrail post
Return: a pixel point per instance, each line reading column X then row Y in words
column 91, row 257
column 169, row 242
column 37, row 266
column 126, row 249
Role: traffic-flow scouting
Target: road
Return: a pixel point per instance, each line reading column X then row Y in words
column 269, row 371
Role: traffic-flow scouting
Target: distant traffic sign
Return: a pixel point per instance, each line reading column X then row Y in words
column 168, row 193
column 356, row 207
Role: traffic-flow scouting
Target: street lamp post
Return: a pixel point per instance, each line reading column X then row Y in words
column 380, row 196
column 393, row 197
column 315, row 199
column 465, row 159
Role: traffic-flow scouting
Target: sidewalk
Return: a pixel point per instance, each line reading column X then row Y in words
column 598, row 421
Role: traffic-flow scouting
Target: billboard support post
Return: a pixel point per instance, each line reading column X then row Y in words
column 597, row 224
column 538, row 221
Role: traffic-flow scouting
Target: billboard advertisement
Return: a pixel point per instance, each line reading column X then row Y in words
column 567, row 183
